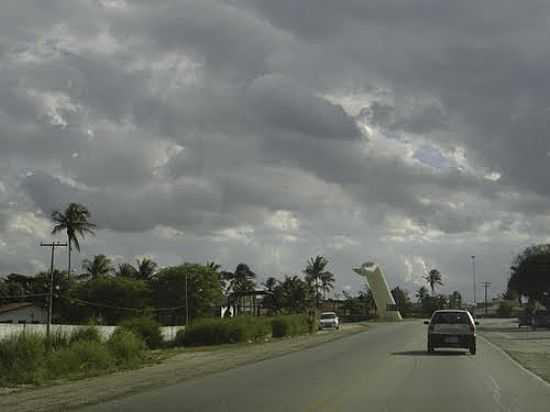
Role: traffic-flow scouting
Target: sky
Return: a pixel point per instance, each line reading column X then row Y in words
column 411, row 133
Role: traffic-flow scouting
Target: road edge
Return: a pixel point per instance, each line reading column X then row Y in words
column 516, row 362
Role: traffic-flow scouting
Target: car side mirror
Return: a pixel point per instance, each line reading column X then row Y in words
column 426, row 322
column 477, row 323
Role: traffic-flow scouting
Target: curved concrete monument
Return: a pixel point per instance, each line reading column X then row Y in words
column 385, row 304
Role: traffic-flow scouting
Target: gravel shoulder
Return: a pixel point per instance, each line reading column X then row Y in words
column 531, row 348
column 183, row 365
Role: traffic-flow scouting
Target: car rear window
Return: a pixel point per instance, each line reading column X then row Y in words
column 451, row 318
column 328, row 316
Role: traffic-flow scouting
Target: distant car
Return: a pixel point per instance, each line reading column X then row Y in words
column 329, row 320
column 452, row 329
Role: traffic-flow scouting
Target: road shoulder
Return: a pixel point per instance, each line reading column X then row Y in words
column 182, row 366
column 530, row 349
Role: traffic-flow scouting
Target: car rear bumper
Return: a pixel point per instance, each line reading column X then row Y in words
column 441, row 340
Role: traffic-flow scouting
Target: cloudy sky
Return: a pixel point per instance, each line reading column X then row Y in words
column 413, row 133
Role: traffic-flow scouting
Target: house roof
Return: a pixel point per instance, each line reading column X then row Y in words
column 10, row 307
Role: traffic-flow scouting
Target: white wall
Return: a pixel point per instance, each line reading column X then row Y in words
column 28, row 314
column 7, row 329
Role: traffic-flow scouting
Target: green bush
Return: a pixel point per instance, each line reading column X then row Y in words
column 88, row 333
column 290, row 325
column 505, row 309
column 220, row 331
column 21, row 359
column 81, row 356
column 126, row 347
column 58, row 339
column 146, row 328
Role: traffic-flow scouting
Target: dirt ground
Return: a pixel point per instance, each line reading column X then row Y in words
column 531, row 348
column 185, row 364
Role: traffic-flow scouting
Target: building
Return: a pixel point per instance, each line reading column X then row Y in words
column 22, row 312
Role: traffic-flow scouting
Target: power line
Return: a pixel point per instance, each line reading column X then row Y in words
column 124, row 308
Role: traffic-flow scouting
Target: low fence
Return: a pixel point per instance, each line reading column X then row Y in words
column 8, row 329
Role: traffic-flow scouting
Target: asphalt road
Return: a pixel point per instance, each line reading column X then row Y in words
column 384, row 369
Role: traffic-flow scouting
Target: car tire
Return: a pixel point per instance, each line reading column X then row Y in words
column 473, row 349
column 430, row 349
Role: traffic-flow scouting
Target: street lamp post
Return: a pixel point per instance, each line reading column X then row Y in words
column 475, row 282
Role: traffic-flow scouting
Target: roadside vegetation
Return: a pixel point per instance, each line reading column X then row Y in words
column 32, row 359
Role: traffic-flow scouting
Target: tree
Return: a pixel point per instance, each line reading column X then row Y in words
column 421, row 294
column 315, row 273
column 126, row 270
column 294, row 293
column 110, row 299
column 217, row 268
column 204, row 292
column 273, row 300
column 99, row 266
column 241, row 281
column 455, row 300
column 145, row 268
column 402, row 300
column 434, row 279
column 358, row 307
column 529, row 274
column 327, row 283
column 75, row 222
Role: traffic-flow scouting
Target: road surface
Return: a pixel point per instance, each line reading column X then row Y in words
column 384, row 369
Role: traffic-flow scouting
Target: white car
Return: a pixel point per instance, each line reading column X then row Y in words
column 329, row 320
column 452, row 329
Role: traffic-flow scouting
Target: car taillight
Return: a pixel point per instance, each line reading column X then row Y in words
column 431, row 327
column 472, row 328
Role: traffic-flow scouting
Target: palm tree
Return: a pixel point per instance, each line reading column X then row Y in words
column 145, row 268
column 327, row 283
column 434, row 278
column 74, row 221
column 241, row 281
column 315, row 275
column 422, row 293
column 213, row 265
column 99, row 266
column 126, row 270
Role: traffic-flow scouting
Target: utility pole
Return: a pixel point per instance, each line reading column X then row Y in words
column 486, row 285
column 53, row 245
column 475, row 283
column 186, row 302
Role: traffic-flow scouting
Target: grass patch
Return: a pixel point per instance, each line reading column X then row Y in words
column 87, row 334
column 29, row 358
column 126, row 347
column 222, row 331
column 146, row 328
column 81, row 357
column 22, row 359
column 290, row 325
column 242, row 329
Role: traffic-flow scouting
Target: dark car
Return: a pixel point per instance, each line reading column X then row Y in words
column 540, row 319
column 452, row 329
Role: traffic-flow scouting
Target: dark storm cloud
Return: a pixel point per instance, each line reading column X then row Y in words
column 205, row 116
